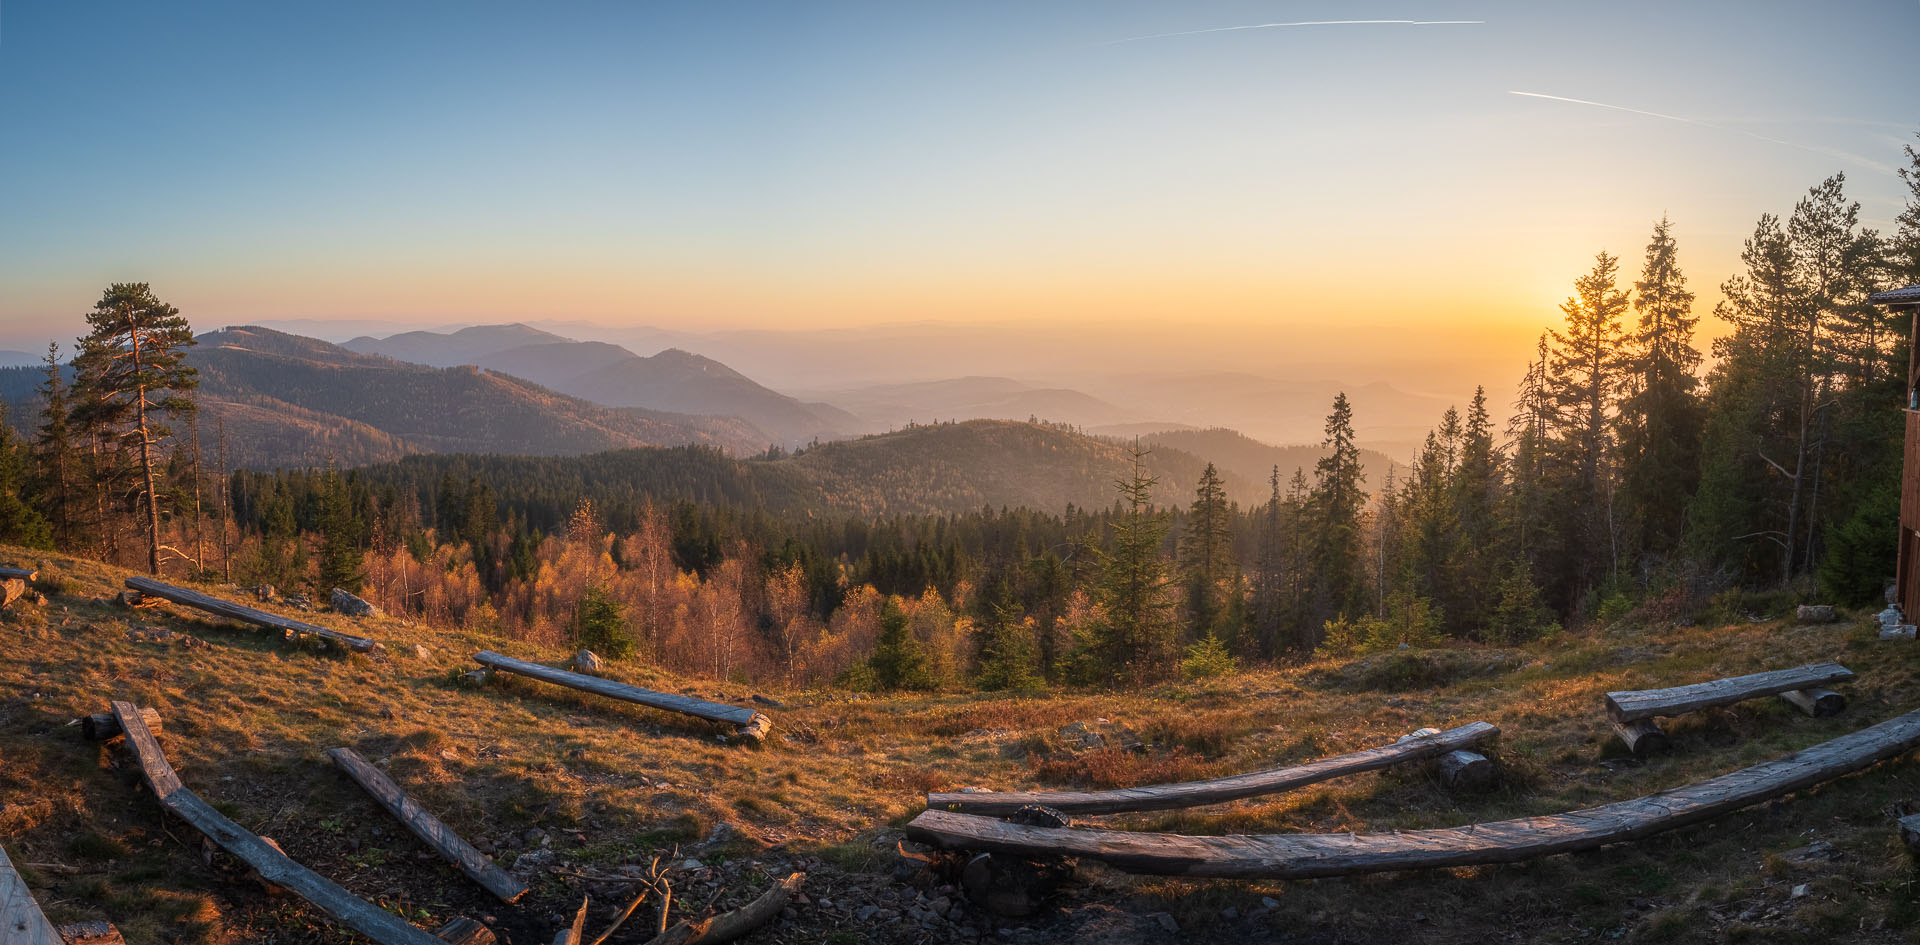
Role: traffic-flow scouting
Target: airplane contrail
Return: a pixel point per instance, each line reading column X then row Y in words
column 1275, row 26
column 1829, row 152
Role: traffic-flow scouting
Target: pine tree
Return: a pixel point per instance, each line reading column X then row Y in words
column 1206, row 556
column 1335, row 508
column 54, row 451
column 341, row 558
column 898, row 661
column 1133, row 639
column 1660, row 421
column 20, row 522
column 1584, row 379
column 131, row 365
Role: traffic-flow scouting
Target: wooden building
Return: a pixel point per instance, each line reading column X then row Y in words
column 1907, row 583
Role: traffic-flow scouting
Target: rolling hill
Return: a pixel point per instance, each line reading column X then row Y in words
column 289, row 400
column 673, row 380
column 1252, row 460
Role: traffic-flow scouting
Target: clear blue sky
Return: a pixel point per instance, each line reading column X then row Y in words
column 795, row 163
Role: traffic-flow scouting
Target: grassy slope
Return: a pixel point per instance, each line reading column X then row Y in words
column 247, row 717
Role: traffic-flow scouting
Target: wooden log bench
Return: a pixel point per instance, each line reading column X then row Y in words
column 266, row 859
column 747, row 723
column 21, row 921
column 428, row 827
column 1632, row 712
column 148, row 587
column 1419, row 746
column 1307, row 856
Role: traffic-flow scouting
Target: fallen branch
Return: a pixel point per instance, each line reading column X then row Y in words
column 272, row 865
column 572, row 934
column 749, row 723
column 728, row 926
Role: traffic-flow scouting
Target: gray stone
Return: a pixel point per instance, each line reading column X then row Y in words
column 589, row 662
column 1814, row 613
column 345, row 602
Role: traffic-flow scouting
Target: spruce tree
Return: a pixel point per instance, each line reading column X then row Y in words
column 53, row 447
column 1660, row 422
column 1206, row 556
column 898, row 661
column 20, row 522
column 1335, row 509
column 1584, row 380
column 1133, row 639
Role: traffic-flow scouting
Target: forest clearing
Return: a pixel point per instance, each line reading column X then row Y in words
column 563, row 787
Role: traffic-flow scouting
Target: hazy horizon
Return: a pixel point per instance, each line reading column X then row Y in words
column 1315, row 188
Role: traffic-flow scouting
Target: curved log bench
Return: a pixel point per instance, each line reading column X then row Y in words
column 1305, row 856
column 1220, row 790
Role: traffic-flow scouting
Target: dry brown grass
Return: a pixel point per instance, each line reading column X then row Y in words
column 248, row 716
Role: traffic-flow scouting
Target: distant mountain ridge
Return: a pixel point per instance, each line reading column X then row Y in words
column 291, row 400
column 673, row 380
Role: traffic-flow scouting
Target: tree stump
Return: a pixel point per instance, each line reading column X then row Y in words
column 1466, row 771
column 12, row 589
column 102, row 726
column 588, row 662
column 1819, row 703
column 1642, row 738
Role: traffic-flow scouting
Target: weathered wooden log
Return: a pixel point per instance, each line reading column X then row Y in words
column 102, row 726
column 21, row 922
column 1466, row 771
column 19, row 574
column 1910, row 833
column 749, row 723
column 1642, row 738
column 272, row 865
column 728, row 926
column 1902, row 632
column 1219, row 790
column 1305, row 856
column 429, row 828
column 244, row 614
column 96, row 932
column 464, row 931
column 1819, row 703
column 575, row 934
column 1640, row 704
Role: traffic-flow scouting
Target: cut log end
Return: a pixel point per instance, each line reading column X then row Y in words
column 464, row 931
column 1466, row 771
column 1910, row 833
column 102, row 726
column 1642, row 738
column 97, row 932
column 1819, row 703
column 755, row 730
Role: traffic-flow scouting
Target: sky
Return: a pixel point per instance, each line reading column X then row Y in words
column 1247, row 177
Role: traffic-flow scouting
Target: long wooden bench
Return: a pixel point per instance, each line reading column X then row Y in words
column 1219, row 790
column 259, row 618
column 1304, row 856
column 1632, row 712
column 747, row 722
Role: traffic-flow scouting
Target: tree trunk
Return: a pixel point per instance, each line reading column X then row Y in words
column 146, row 452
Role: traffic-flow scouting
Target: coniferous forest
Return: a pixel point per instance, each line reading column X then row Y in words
column 1630, row 467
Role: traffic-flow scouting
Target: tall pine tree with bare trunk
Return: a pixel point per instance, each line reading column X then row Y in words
column 130, row 366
